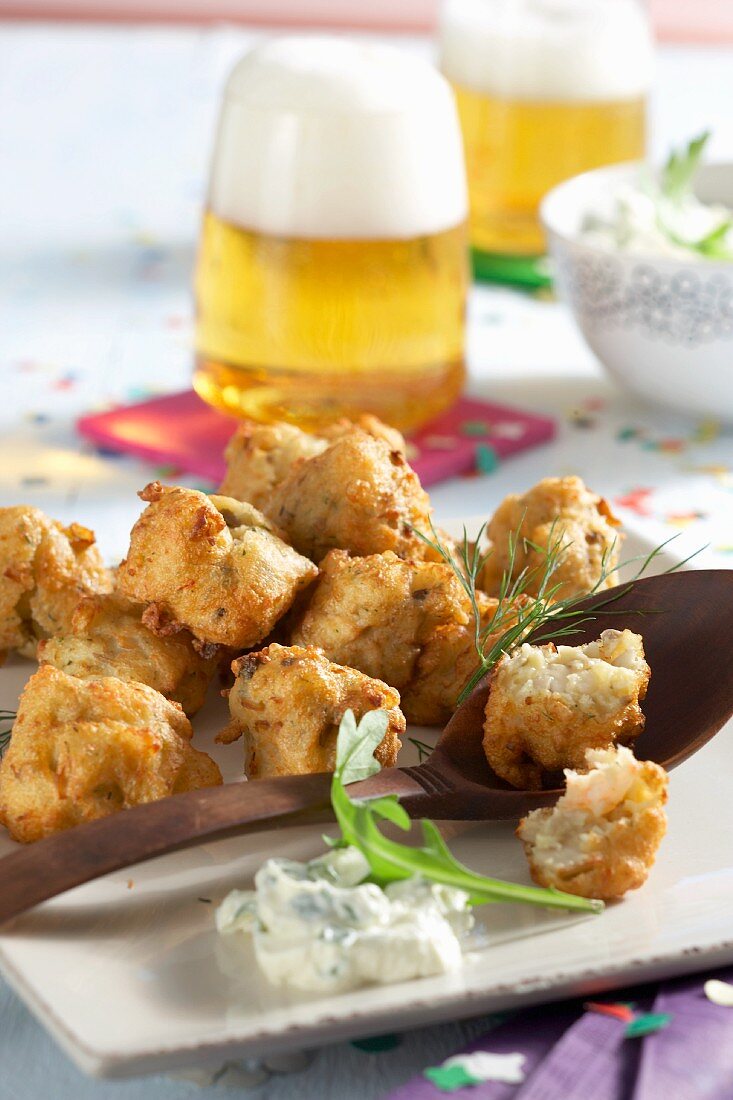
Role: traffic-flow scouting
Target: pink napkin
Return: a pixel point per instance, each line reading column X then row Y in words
column 181, row 431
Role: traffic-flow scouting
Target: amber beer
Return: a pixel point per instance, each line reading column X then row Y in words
column 545, row 89
column 332, row 269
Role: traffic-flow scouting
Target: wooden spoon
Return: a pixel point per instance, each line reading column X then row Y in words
column 685, row 619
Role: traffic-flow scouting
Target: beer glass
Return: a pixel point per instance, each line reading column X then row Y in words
column 332, row 268
column 545, row 89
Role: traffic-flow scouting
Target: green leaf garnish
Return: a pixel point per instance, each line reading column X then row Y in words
column 391, row 861
column 679, row 171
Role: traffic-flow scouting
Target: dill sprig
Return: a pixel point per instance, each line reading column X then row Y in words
column 7, row 717
column 514, row 618
column 423, row 748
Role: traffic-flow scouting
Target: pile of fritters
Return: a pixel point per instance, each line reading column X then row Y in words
column 306, row 578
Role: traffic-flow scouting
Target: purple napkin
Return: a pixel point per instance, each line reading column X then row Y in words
column 571, row 1054
column 692, row 1059
column 534, row 1033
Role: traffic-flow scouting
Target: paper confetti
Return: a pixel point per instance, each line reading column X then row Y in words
column 463, row 1070
column 486, row 1066
column 476, row 427
column 450, row 1078
column 623, row 1012
column 720, row 993
column 487, row 460
column 647, row 1024
column 637, row 500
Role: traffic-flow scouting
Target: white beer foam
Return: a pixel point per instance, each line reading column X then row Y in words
column 324, row 137
column 561, row 50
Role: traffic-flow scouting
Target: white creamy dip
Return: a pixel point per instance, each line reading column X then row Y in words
column 319, row 926
column 643, row 223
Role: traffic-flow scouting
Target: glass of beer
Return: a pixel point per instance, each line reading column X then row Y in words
column 333, row 262
column 545, row 89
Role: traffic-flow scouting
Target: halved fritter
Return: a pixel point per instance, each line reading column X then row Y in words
column 602, row 837
column 84, row 749
column 548, row 704
column 287, row 703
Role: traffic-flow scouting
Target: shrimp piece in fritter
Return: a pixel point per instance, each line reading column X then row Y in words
column 602, row 837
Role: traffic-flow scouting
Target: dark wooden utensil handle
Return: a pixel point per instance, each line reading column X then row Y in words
column 49, row 867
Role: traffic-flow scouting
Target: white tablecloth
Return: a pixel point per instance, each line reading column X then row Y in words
column 105, row 136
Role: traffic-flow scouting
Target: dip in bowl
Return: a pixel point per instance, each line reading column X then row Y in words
column 658, row 314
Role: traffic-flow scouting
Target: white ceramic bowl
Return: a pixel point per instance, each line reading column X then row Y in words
column 663, row 327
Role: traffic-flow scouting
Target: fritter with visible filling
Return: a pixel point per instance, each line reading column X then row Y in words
column 602, row 837
column 548, row 704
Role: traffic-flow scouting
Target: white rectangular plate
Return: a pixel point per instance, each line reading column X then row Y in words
column 130, row 977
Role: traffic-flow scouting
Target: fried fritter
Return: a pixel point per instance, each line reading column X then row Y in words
column 408, row 623
column 288, row 702
column 107, row 637
column 602, row 837
column 558, row 512
column 358, row 495
column 45, row 569
column 547, row 705
column 260, row 456
column 84, row 749
column 211, row 564
column 447, row 661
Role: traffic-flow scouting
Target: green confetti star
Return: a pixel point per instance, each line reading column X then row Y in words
column 487, row 460
column 647, row 1024
column 450, row 1078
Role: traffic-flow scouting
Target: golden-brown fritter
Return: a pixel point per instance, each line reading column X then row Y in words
column 260, row 456
column 288, row 701
column 107, row 637
column 359, row 494
column 408, row 623
column 547, row 705
column 211, row 564
column 558, row 512
column 84, row 749
column 602, row 837
column 45, row 569
column 447, row 661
